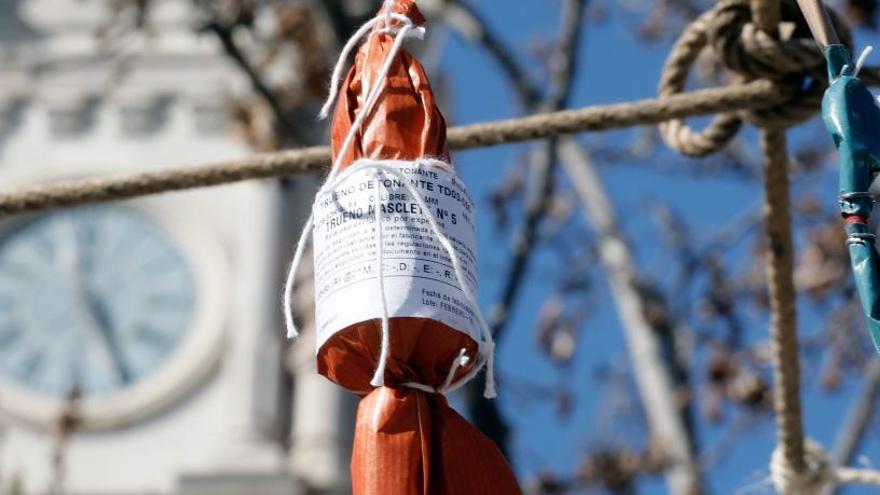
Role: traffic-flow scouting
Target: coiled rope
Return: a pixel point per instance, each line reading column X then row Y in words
column 793, row 66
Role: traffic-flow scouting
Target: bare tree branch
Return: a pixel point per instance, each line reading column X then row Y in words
column 650, row 364
column 858, row 417
column 562, row 67
column 224, row 34
column 467, row 21
column 684, row 477
column 65, row 426
column 544, row 159
column 543, row 165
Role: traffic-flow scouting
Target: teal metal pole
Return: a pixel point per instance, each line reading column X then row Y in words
column 852, row 117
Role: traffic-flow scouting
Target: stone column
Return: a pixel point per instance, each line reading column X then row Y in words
column 323, row 413
column 251, row 367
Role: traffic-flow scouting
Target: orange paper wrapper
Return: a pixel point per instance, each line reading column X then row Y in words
column 406, row 441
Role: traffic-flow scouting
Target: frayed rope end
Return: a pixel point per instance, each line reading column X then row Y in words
column 379, row 375
column 418, row 33
column 378, row 379
column 490, row 392
column 325, row 110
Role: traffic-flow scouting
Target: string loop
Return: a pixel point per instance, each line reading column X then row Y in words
column 409, row 29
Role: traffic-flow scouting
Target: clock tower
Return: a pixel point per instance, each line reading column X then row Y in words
column 140, row 349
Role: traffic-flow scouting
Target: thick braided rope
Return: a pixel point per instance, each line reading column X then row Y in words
column 672, row 81
column 794, row 66
column 780, row 275
column 315, row 159
column 766, row 14
column 857, row 476
column 783, row 322
column 791, row 459
column 798, row 467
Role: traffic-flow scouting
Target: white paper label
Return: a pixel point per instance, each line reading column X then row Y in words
column 418, row 276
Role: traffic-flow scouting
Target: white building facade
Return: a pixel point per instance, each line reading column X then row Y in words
column 154, row 322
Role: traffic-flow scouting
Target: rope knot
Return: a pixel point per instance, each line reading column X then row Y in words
column 789, row 58
column 816, row 475
column 754, row 53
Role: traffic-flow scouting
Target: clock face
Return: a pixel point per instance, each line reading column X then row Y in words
column 95, row 298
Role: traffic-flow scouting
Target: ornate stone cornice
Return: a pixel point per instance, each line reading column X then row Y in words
column 141, row 80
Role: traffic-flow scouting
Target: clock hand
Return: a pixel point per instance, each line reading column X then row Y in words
column 97, row 327
column 96, row 311
column 101, row 318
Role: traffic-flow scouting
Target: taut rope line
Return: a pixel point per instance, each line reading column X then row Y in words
column 754, row 95
column 773, row 100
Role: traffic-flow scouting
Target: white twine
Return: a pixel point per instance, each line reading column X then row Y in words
column 460, row 361
column 388, row 6
column 379, row 375
column 487, row 346
column 863, row 57
column 407, row 30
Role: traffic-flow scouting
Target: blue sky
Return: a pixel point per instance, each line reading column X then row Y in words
column 614, row 66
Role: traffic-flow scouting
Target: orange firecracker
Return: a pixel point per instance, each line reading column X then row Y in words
column 407, row 438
